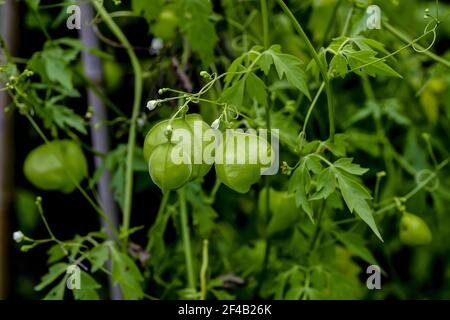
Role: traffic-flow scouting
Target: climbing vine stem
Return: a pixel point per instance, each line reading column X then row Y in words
column 315, row 56
column 135, row 112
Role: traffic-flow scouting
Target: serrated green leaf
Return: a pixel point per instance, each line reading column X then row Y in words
column 339, row 63
column 326, row 184
column 367, row 44
column 364, row 60
column 299, row 185
column 313, row 164
column 57, row 292
column 56, row 66
column 98, row 256
column 337, row 43
column 53, row 273
column 265, row 62
column 203, row 219
column 355, row 196
column 64, row 117
column 55, row 253
column 88, row 288
column 199, row 28
column 347, row 165
column 234, row 67
column 149, row 9
column 256, row 88
column 356, row 245
column 287, row 66
column 234, row 95
column 127, row 275
column 339, row 145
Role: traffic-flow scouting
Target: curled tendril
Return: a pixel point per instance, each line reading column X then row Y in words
column 433, row 31
column 233, row 112
column 194, row 99
column 424, row 174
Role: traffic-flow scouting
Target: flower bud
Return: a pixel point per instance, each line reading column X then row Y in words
column 18, row 236
column 152, row 104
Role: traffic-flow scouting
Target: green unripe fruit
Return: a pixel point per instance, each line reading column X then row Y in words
column 183, row 131
column 59, row 165
column 237, row 160
column 165, row 173
column 283, row 209
column 414, row 231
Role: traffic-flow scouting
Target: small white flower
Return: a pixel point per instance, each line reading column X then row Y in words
column 215, row 124
column 156, row 46
column 152, row 104
column 140, row 122
column 18, row 236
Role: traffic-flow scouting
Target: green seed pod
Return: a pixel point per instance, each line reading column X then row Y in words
column 283, row 209
column 166, row 173
column 183, row 131
column 414, row 231
column 237, row 160
column 156, row 136
column 59, row 165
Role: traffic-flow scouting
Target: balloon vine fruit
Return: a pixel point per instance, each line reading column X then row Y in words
column 414, row 231
column 59, row 165
column 238, row 164
column 185, row 142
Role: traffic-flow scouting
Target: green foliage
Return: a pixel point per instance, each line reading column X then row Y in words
column 362, row 117
column 287, row 66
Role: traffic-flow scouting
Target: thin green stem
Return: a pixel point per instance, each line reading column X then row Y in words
column 418, row 187
column 212, row 196
column 186, row 239
column 382, row 59
column 161, row 210
column 265, row 21
column 203, row 270
column 347, row 21
column 41, row 213
column 133, row 121
column 430, row 150
column 322, row 68
column 380, row 175
column 311, row 107
column 400, row 35
column 41, row 23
